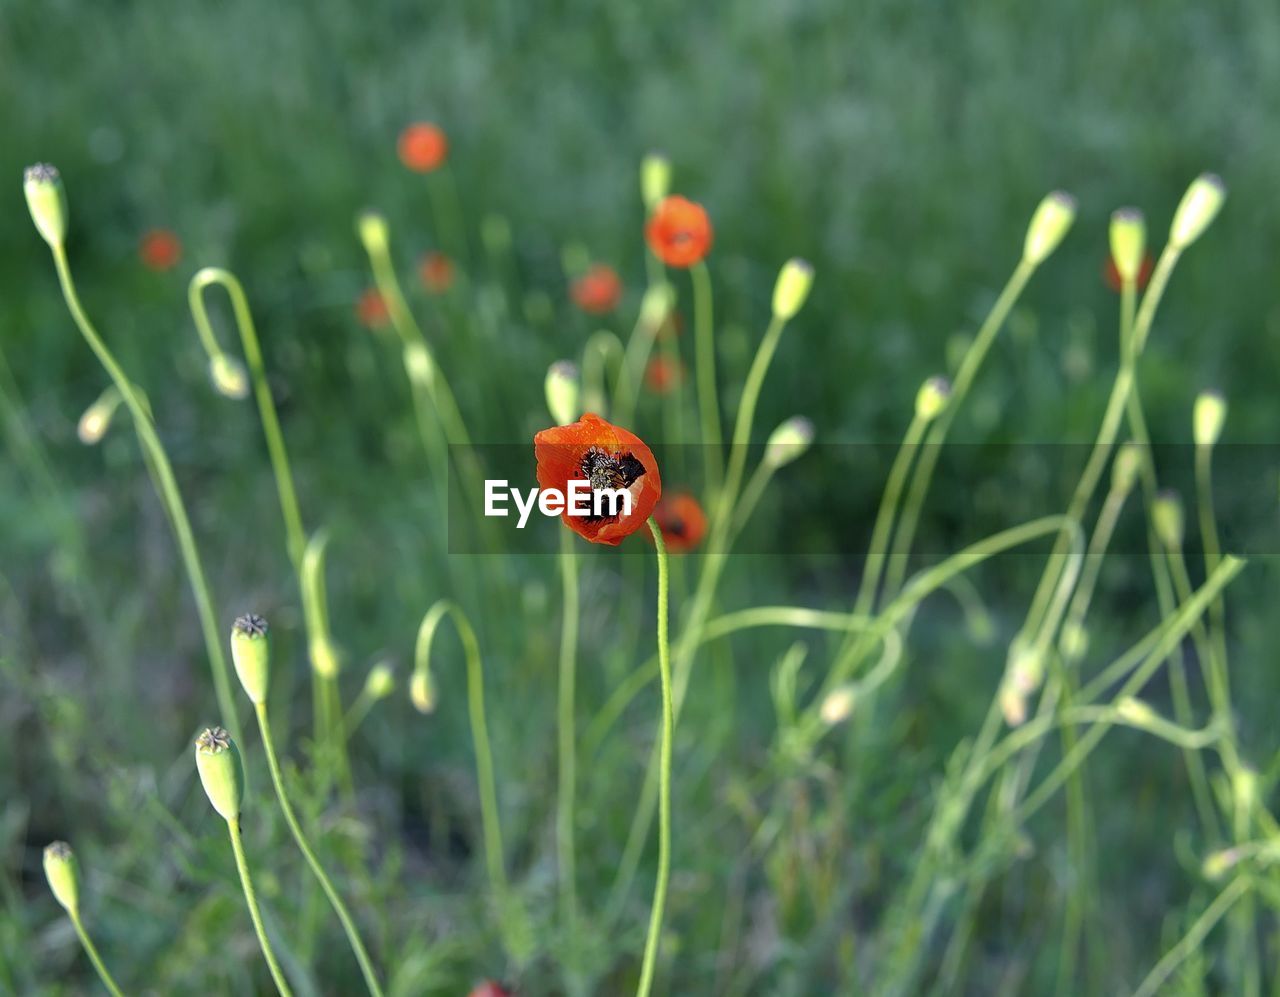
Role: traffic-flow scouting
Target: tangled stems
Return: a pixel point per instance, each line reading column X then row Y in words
column 664, row 771
column 568, row 736
column 339, row 907
column 91, row 951
column 251, row 898
column 167, row 486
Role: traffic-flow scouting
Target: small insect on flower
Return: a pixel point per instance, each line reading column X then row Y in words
column 371, row 310
column 423, row 147
column 608, row 458
column 682, row 521
column 160, row 250
column 663, row 375
column 679, row 232
column 436, row 272
column 598, row 291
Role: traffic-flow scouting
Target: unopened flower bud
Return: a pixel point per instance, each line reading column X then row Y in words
column 1013, row 704
column 251, row 654
column 838, row 705
column 324, row 657
column 96, row 420
column 1074, row 641
column 47, row 202
column 1026, row 666
column 1049, row 225
column 228, row 376
column 655, row 179
column 1199, row 206
column 63, row 873
column 564, row 393
column 218, row 761
column 788, row 442
column 1208, row 417
column 418, row 364
column 381, row 681
column 1128, row 243
column 1125, row 468
column 422, row 691
column 932, row 398
column 1216, row 865
column 792, row 288
column 1244, row 787
column 1167, row 518
column 1136, row 712
column 373, row 232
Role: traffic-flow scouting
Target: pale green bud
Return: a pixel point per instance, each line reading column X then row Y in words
column 932, row 398
column 838, row 705
column 1136, row 712
column 788, row 442
column 1026, row 665
column 251, row 654
column 1125, row 468
column 655, row 179
column 221, row 774
column 63, row 873
column 228, row 376
column 564, row 392
column 792, row 288
column 1218, row 863
column 381, row 681
column 1128, row 243
column 1013, row 704
column 1048, row 226
column 1244, row 787
column 1167, row 518
column 418, row 364
column 1208, row 417
column 324, row 657
column 47, row 202
column 422, row 691
column 96, row 420
column 373, row 232
column 1074, row 641
column 1199, row 206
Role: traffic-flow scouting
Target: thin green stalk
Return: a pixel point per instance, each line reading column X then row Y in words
column 1194, row 937
column 601, row 348
column 91, row 951
column 568, row 736
column 705, row 363
column 251, row 898
column 874, row 566
column 169, row 493
column 304, row 846
column 654, row 311
column 664, row 792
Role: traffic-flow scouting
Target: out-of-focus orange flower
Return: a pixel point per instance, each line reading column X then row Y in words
column 423, row 147
column 371, row 309
column 679, row 232
column 159, row 249
column 436, row 271
column 664, row 375
column 682, row 521
column 598, row 291
column 605, row 456
column 1112, row 276
column 488, row 988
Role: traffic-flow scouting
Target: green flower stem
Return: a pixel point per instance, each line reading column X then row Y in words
column 601, row 349
column 705, row 368
column 1194, row 937
column 664, row 796
column 874, row 566
column 635, row 358
column 251, row 898
column 339, row 907
column 169, row 493
column 565, row 808
column 91, row 951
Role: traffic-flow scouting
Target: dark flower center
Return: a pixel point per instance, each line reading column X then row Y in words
column 613, row 471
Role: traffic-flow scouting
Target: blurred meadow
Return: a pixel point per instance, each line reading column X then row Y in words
column 901, row 149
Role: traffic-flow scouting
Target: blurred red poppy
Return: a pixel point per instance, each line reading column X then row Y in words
column 605, row 456
column 371, row 309
column 436, row 271
column 423, row 147
column 488, row 988
column 1112, row 276
column 598, row 291
column 664, row 374
column 682, row 521
column 160, row 249
column 679, row 232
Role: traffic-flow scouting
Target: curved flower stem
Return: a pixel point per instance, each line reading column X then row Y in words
column 568, row 737
column 251, row 898
column 167, row 486
column 1193, row 938
column 304, row 846
column 601, row 349
column 91, row 951
column 705, row 364
column 664, row 770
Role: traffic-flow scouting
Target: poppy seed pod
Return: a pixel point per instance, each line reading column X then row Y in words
column 96, row 420
column 373, row 232
column 1128, row 243
column 1208, row 417
column 838, row 705
column 1167, row 518
column 63, row 873
column 1049, row 225
column 789, row 441
column 1197, row 209
column 422, row 691
column 1124, row 469
column 564, row 393
column 221, row 774
column 792, row 288
column 932, row 398
column 47, row 202
column 228, row 376
column 251, row 653
column 381, row 681
column 655, row 179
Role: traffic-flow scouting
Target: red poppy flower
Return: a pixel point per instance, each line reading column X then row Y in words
column 682, row 521
column 160, row 250
column 488, row 988
column 436, row 271
column 679, row 232
column 1112, row 276
column 371, row 309
column 664, row 375
column 423, row 147
column 605, row 456
column 598, row 291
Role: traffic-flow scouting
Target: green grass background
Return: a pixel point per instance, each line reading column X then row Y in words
column 899, row 146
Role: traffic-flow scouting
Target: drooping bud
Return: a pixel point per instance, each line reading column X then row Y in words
column 218, row 762
column 251, row 653
column 47, row 202
column 1197, row 209
column 564, row 392
column 373, row 232
column 1125, row 468
column 932, row 398
column 63, row 873
column 838, row 705
column 422, row 691
column 1128, row 243
column 1167, row 518
column 381, row 681
column 788, row 442
column 96, row 420
column 792, row 288
column 1049, row 225
column 228, row 376
column 655, row 180
column 1208, row 417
